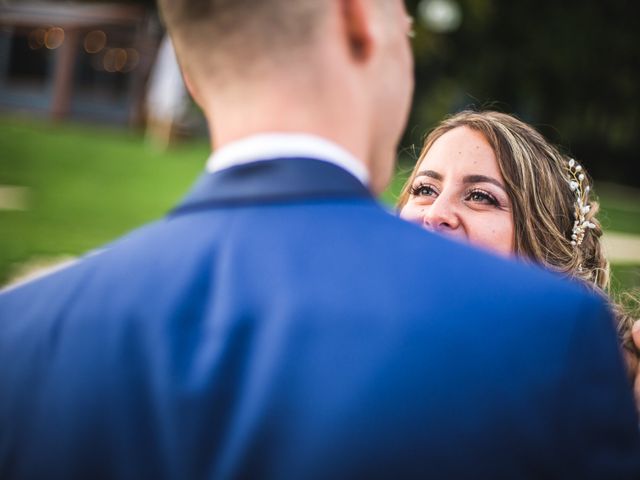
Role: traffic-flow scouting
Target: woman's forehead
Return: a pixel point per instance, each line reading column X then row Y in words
column 461, row 150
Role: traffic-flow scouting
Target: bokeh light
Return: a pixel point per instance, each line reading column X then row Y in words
column 440, row 16
column 115, row 60
column 95, row 41
column 36, row 38
column 133, row 59
column 54, row 38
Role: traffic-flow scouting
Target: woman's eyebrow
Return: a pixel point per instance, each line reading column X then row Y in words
column 429, row 173
column 483, row 179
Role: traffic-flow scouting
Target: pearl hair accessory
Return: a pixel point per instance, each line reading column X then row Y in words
column 578, row 185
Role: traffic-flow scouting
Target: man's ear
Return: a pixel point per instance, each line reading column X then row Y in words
column 358, row 22
column 191, row 87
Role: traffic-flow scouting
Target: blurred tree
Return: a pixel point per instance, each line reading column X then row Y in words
column 570, row 68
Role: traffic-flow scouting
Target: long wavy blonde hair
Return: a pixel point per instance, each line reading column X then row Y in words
column 536, row 177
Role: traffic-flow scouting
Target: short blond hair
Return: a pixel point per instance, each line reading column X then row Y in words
column 218, row 35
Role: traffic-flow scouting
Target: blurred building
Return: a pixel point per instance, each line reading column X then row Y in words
column 80, row 61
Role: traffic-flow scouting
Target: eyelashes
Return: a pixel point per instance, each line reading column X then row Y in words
column 482, row 196
column 475, row 195
column 423, row 190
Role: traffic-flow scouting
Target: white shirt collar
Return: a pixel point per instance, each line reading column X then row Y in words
column 268, row 146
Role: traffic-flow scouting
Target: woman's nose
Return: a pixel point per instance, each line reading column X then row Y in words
column 441, row 215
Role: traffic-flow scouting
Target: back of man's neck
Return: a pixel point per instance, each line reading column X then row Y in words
column 229, row 125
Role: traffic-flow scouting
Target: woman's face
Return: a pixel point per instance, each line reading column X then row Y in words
column 459, row 191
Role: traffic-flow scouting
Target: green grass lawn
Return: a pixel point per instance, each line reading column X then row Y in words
column 87, row 185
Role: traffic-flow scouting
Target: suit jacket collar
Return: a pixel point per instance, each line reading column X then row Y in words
column 272, row 181
column 285, row 145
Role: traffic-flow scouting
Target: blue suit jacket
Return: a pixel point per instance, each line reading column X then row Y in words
column 281, row 324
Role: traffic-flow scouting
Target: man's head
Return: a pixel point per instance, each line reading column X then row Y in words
column 341, row 69
column 222, row 38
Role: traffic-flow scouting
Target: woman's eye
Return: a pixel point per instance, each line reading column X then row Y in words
column 423, row 191
column 479, row 196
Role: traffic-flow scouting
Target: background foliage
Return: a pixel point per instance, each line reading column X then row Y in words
column 570, row 68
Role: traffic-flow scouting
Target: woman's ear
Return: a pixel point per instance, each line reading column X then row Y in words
column 358, row 24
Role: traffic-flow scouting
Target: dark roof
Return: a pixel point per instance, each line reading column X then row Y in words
column 70, row 15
